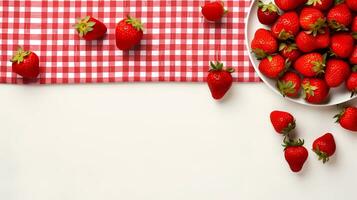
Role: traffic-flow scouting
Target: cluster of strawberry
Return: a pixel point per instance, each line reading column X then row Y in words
column 324, row 146
column 315, row 37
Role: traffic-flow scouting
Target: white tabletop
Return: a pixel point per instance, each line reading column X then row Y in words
column 162, row 141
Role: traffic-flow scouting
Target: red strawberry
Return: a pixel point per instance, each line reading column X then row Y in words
column 287, row 26
column 351, row 83
column 354, row 28
column 267, row 13
column 90, row 28
column 353, row 58
column 320, row 4
column 219, row 80
column 342, row 45
column 324, row 147
column 310, row 65
column 309, row 43
column 315, row 90
column 25, row 63
column 312, row 20
column 128, row 33
column 214, row 11
column 348, row 118
column 264, row 43
column 283, row 122
column 339, row 17
column 337, row 71
column 295, row 154
column 273, row 67
column 289, row 4
column 352, row 4
column 289, row 84
column 289, row 51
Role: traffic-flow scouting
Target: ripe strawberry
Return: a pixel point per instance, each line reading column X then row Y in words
column 264, row 44
column 312, row 20
column 351, row 83
column 289, row 51
column 342, row 45
column 337, row 71
column 339, row 17
column 283, row 122
column 324, row 147
column 128, row 33
column 219, row 80
column 289, row 4
column 310, row 65
column 348, row 118
column 214, row 11
column 353, row 58
column 289, row 84
column 354, row 25
column 25, row 63
column 315, row 90
column 273, row 67
column 352, row 4
column 309, row 43
column 267, row 13
column 90, row 28
column 287, row 26
column 295, row 154
column 320, row 4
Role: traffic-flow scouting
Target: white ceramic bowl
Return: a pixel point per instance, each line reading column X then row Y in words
column 337, row 95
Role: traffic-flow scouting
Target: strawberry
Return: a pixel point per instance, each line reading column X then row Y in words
column 128, row 33
column 324, row 147
column 309, row 43
column 219, row 80
column 354, row 28
column 273, row 67
column 348, row 118
column 283, row 122
column 289, row 4
column 289, row 51
column 315, row 90
column 267, row 13
column 289, row 84
column 353, row 58
column 312, row 20
column 352, row 4
column 295, row 154
column 287, row 26
column 351, row 83
column 310, row 65
column 339, row 17
column 342, row 45
column 320, row 4
column 25, row 63
column 264, row 43
column 337, row 71
column 214, row 11
column 90, row 28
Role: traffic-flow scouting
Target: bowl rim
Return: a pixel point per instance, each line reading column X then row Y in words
column 264, row 79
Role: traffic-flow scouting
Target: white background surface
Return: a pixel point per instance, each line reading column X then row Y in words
column 167, row 141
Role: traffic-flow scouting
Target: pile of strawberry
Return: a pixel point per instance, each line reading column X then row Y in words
column 310, row 46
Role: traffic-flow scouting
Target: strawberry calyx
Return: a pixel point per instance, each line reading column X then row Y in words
column 271, row 8
column 260, row 53
column 286, row 87
column 20, row 55
column 337, row 26
column 318, row 66
column 339, row 115
column 288, row 142
column 313, row 2
column 218, row 66
column 354, row 35
column 291, row 126
column 136, row 23
column 318, row 27
column 308, row 89
column 84, row 26
column 339, row 2
column 284, row 35
column 287, row 47
column 322, row 155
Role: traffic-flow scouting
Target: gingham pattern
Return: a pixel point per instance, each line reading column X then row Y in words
column 177, row 44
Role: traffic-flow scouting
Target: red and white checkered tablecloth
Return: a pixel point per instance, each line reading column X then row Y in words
column 177, row 44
